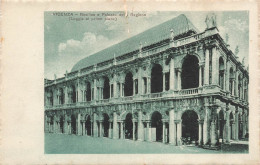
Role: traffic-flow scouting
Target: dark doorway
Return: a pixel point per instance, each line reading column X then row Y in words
column 88, row 95
column 190, row 125
column 106, row 124
column 221, row 73
column 220, row 124
column 88, row 125
column 157, row 123
column 156, row 79
column 231, row 120
column 128, row 84
column 128, row 126
column 73, row 124
column 106, row 90
column 61, row 125
column 190, row 72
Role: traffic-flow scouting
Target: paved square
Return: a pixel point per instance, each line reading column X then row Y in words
column 72, row 144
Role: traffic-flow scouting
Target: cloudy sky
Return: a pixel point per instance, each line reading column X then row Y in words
column 67, row 41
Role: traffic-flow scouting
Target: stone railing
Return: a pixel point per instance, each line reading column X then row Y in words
column 127, row 98
column 156, row 95
column 191, row 91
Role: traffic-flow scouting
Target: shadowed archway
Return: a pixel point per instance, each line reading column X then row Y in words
column 190, row 72
column 190, row 125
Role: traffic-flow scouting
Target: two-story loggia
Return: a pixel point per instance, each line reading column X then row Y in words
column 167, row 83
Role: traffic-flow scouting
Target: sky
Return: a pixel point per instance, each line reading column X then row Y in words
column 66, row 41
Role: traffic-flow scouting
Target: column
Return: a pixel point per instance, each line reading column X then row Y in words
column 243, row 127
column 179, row 78
column 78, row 125
column 163, row 132
column 201, row 132
column 140, row 130
column 101, row 129
column 121, row 89
column 115, row 89
column 179, row 132
column 91, row 130
column 236, row 83
column 148, row 125
column 110, row 130
column 236, row 126
column 227, row 129
column 172, row 74
column 215, row 66
column 79, row 93
column 83, row 128
column 140, row 84
column 134, row 86
column 213, row 133
column 121, row 130
column 233, row 87
column 233, row 130
column 206, row 127
column 95, row 127
column 206, row 68
column 163, row 81
column 200, row 75
column 227, row 76
column 95, row 89
column 171, row 127
column 148, row 85
column 115, row 126
column 133, row 129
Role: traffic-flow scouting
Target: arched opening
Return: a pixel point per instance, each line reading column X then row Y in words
column 73, row 124
column 156, row 79
column 221, row 73
column 106, row 90
column 232, row 126
column 72, row 94
column 231, row 80
column 189, row 126
column 105, row 124
column 220, row 124
column 60, row 96
column 128, row 126
column 88, row 125
column 157, row 126
column 88, row 92
column 61, row 124
column 128, row 90
column 190, row 72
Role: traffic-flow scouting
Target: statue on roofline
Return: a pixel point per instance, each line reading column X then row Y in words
column 211, row 20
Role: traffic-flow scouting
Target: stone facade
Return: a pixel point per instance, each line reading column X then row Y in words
column 189, row 87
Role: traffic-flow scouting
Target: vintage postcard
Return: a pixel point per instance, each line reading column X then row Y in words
column 125, row 83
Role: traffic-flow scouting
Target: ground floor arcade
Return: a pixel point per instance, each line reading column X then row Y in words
column 205, row 125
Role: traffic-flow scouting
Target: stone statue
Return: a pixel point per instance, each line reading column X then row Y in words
column 172, row 34
column 227, row 37
column 211, row 21
column 243, row 61
column 141, row 47
column 236, row 50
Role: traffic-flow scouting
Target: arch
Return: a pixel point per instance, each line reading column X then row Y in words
column 73, row 124
column 128, row 87
column 156, row 79
column 88, row 125
column 106, row 90
column 129, row 126
column 221, row 73
column 156, row 123
column 190, row 72
column 190, row 126
column 106, row 124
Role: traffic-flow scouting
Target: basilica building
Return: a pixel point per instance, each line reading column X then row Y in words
column 170, row 84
